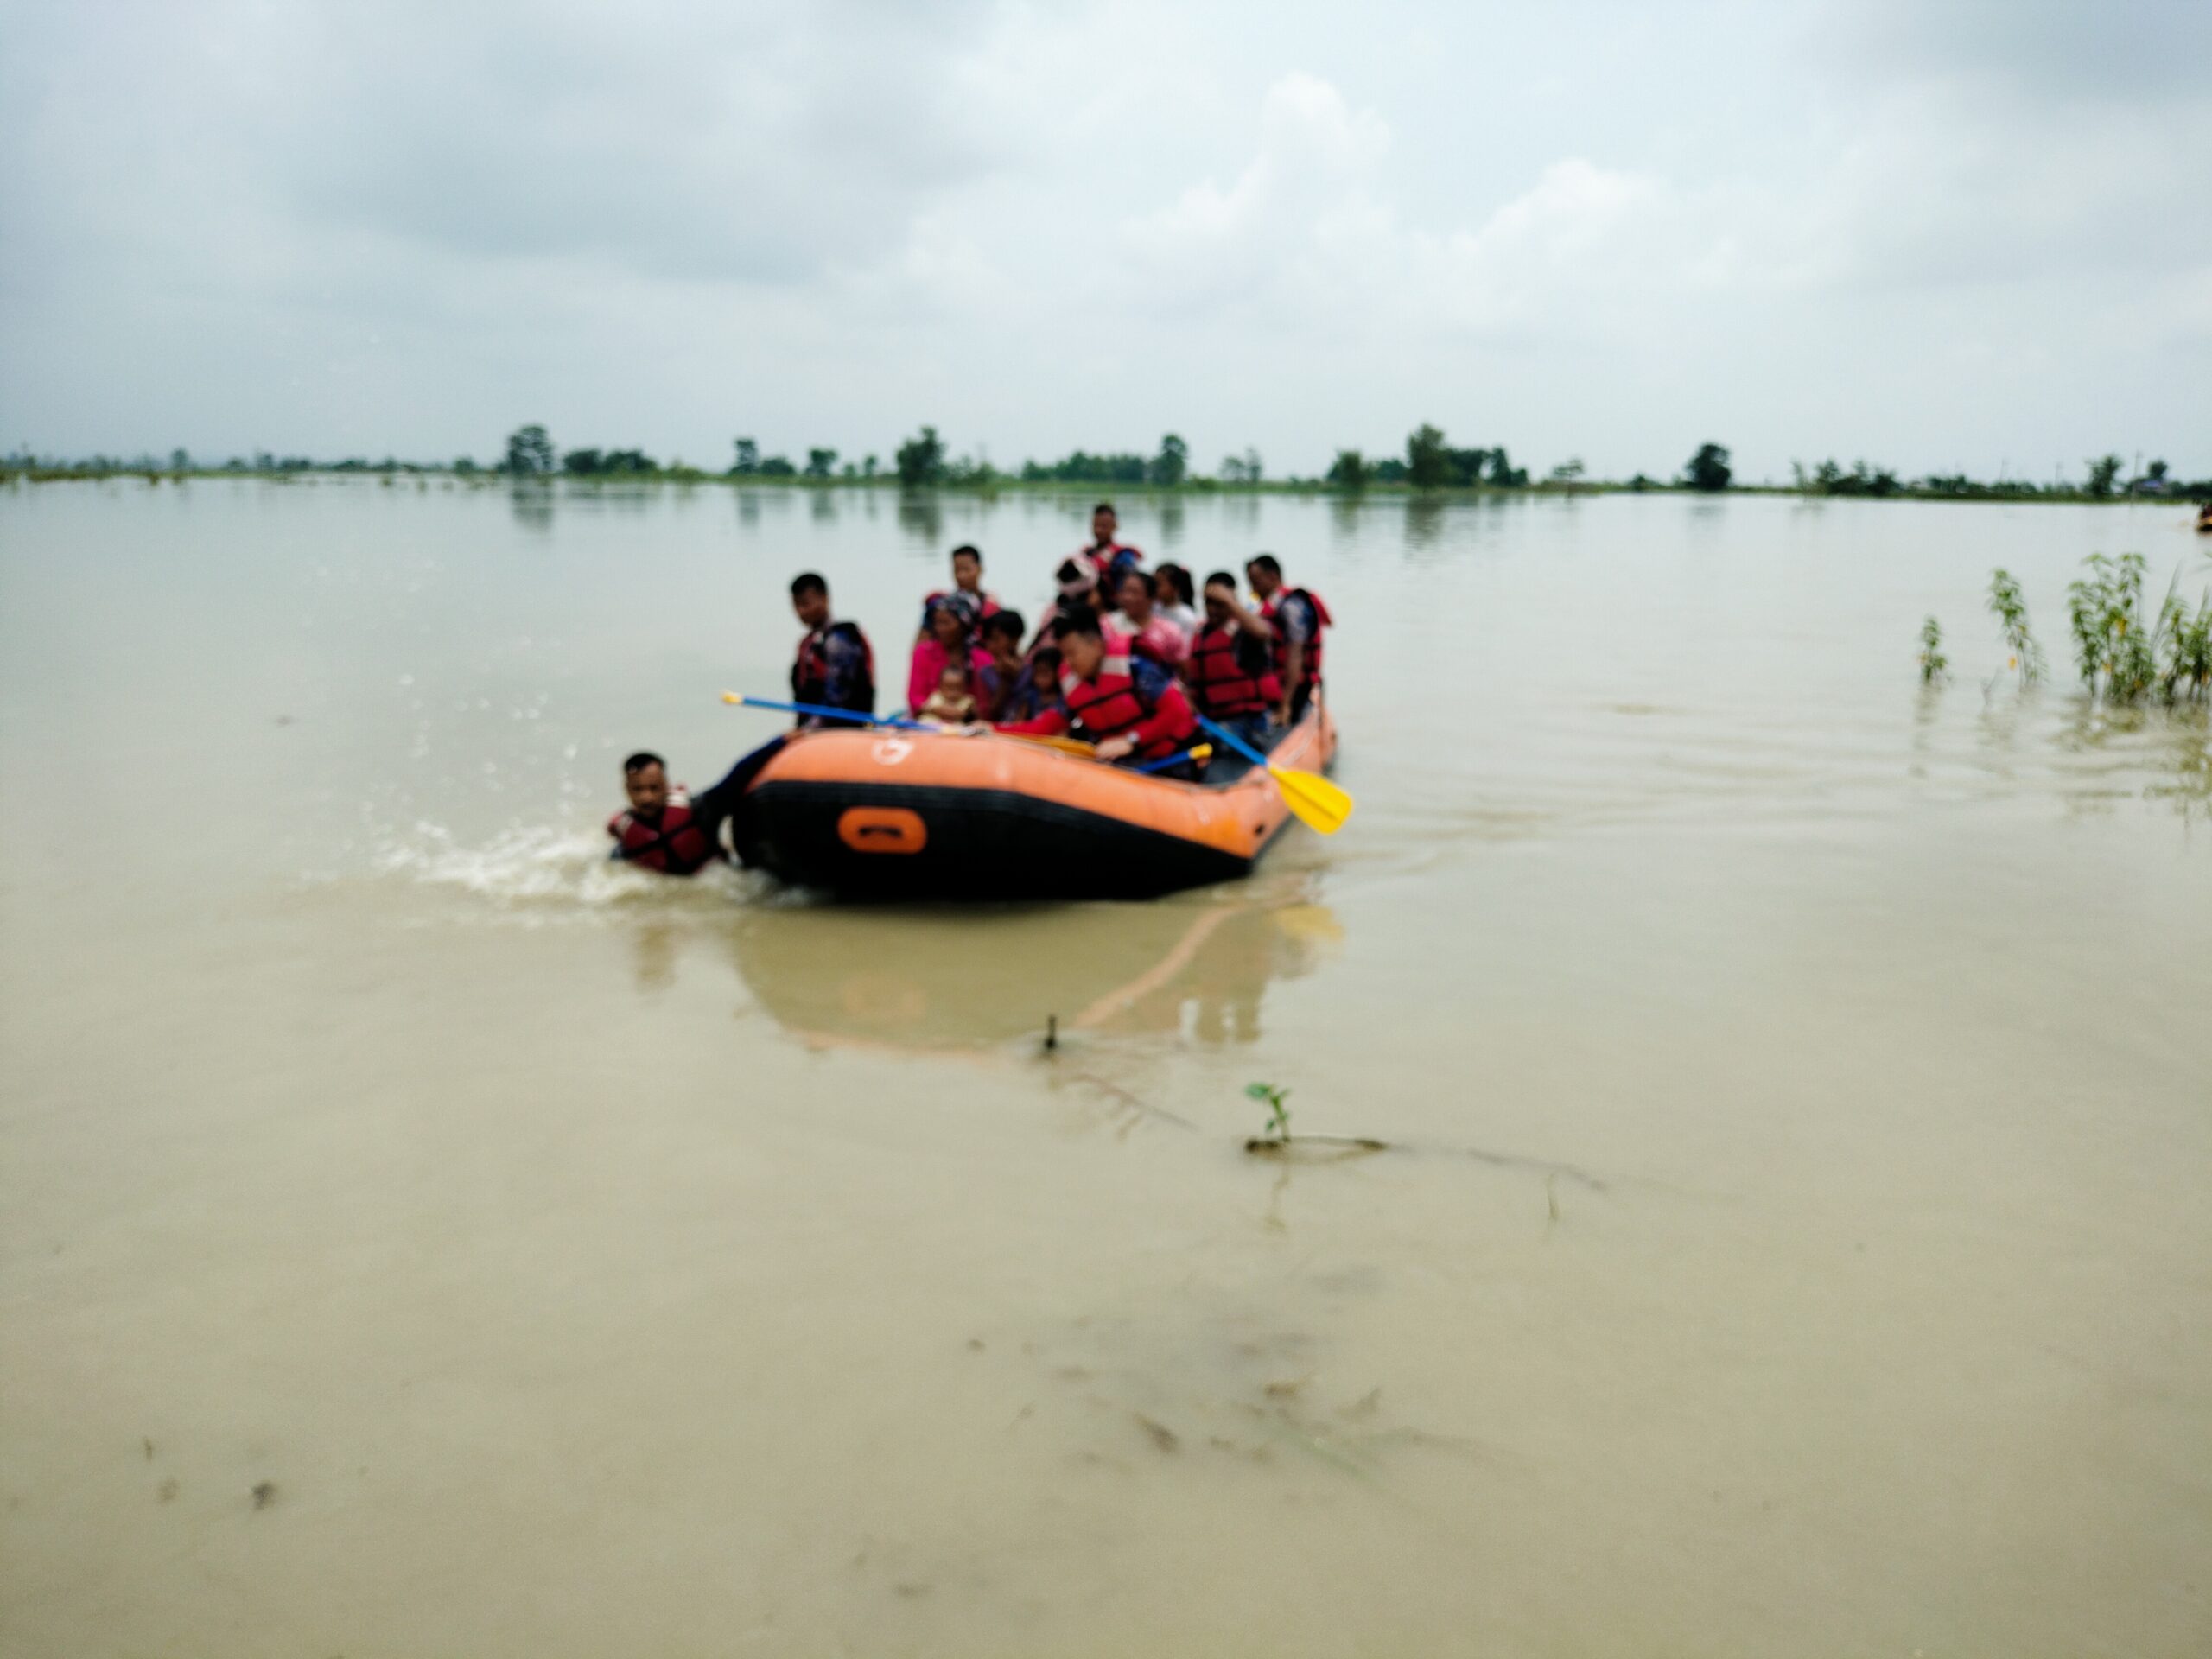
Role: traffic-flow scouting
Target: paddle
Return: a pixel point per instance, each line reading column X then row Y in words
column 1065, row 745
column 1313, row 799
column 1199, row 752
column 824, row 711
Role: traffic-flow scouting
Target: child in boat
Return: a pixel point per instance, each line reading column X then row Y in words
column 996, row 679
column 1036, row 689
column 951, row 703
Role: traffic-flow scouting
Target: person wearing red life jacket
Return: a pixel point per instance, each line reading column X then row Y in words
column 1136, row 629
column 662, row 830
column 1132, row 710
column 1114, row 557
column 836, row 665
column 1230, row 671
column 1297, row 616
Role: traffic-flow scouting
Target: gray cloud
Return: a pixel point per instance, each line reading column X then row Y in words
column 410, row 227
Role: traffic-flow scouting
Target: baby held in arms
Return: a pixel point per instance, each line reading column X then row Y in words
column 952, row 702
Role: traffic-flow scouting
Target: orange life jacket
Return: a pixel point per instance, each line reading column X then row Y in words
column 1222, row 682
column 676, row 843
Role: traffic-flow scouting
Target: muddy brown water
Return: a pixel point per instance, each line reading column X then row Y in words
column 420, row 1238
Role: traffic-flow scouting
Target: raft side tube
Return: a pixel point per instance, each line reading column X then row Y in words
column 939, row 815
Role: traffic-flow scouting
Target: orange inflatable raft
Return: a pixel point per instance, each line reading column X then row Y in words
column 897, row 814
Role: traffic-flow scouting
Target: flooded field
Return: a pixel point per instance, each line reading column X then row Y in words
column 417, row 1236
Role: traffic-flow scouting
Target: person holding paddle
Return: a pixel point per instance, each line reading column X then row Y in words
column 1132, row 710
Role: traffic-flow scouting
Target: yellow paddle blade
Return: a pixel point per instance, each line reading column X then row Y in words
column 1312, row 798
column 1065, row 745
column 732, row 697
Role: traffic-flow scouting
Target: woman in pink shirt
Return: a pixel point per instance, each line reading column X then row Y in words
column 946, row 638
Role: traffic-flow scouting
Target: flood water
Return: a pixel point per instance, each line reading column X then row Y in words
column 421, row 1237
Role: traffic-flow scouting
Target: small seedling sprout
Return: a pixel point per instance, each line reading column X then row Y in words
column 1278, row 1124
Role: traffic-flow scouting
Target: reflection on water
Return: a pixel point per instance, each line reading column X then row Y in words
column 921, row 516
column 934, row 981
column 532, row 502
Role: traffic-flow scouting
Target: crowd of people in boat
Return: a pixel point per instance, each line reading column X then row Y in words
column 1125, row 658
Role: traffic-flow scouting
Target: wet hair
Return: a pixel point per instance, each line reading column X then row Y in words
column 1178, row 582
column 1049, row 655
column 1103, row 506
column 1006, row 622
column 640, row 761
column 975, row 553
column 1265, row 562
column 1081, row 620
column 808, row 583
column 1221, row 576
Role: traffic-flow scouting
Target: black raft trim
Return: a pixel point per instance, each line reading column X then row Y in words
column 981, row 843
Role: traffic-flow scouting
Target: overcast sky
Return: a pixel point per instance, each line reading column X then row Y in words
column 1963, row 236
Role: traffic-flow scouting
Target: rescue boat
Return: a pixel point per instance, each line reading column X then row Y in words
column 904, row 814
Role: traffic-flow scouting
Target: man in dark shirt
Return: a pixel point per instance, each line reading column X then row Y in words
column 835, row 666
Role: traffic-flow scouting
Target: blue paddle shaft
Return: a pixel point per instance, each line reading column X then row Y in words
column 1171, row 760
column 1231, row 738
column 823, row 711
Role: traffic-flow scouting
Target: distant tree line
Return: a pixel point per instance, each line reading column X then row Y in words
column 1430, row 462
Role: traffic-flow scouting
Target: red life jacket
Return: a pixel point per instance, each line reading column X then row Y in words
column 1222, row 682
column 1322, row 619
column 811, row 672
column 1109, row 703
column 676, row 843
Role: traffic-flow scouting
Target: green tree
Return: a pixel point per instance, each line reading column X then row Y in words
column 180, row 460
column 1171, row 463
column 1708, row 469
column 530, row 453
column 2102, row 474
column 820, row 463
column 463, row 467
column 1349, row 470
column 1567, row 472
column 1427, row 462
column 749, row 456
column 778, row 467
column 921, row 459
column 581, row 462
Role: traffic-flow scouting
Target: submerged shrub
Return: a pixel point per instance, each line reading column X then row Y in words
column 2112, row 649
column 2009, row 607
column 2185, row 642
column 1932, row 661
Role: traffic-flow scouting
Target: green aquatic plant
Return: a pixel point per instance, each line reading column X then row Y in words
column 1934, row 665
column 2007, row 604
column 2185, row 641
column 2115, row 651
column 1277, row 1128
